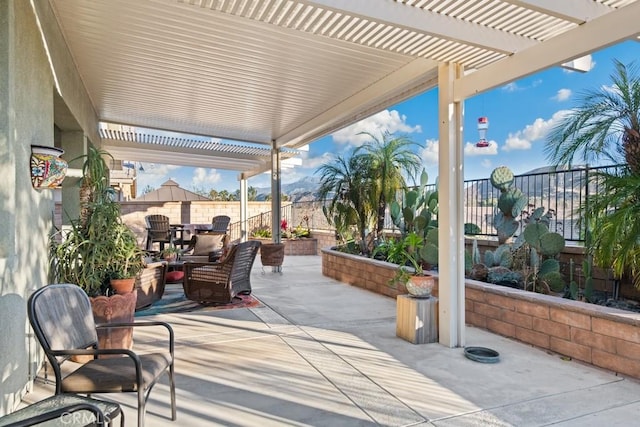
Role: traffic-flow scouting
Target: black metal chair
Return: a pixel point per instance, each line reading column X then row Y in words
column 63, row 322
column 158, row 231
column 65, row 410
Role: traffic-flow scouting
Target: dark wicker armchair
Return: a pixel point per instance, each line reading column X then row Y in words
column 210, row 282
column 241, row 272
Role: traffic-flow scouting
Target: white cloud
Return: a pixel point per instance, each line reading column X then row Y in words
column 315, row 162
column 562, row 95
column 429, row 153
column 390, row 121
column 470, row 149
column 523, row 139
column 486, row 163
column 510, row 87
column 202, row 176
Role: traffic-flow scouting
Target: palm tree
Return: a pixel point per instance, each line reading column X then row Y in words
column 613, row 239
column 605, row 125
column 390, row 159
column 346, row 182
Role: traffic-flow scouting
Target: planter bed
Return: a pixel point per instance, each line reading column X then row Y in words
column 602, row 336
column 292, row 247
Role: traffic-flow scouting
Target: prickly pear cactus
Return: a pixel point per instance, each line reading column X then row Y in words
column 501, row 178
column 512, row 202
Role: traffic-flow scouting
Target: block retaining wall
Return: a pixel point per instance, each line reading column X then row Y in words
column 601, row 336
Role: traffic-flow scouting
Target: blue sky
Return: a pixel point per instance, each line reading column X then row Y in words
column 520, row 114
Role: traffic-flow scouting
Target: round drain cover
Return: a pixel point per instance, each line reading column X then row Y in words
column 482, row 354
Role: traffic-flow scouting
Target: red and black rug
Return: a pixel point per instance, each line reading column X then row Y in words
column 174, row 301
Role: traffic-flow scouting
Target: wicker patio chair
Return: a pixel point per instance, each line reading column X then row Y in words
column 210, row 282
column 63, row 322
column 241, row 271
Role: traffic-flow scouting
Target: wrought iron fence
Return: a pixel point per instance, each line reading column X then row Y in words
column 562, row 192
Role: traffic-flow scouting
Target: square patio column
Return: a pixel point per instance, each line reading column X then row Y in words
column 451, row 217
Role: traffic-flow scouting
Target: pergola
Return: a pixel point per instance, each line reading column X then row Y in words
column 279, row 74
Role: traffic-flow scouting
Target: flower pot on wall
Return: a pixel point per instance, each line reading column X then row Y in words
column 47, row 168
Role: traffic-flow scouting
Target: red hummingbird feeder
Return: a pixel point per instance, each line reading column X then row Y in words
column 483, row 125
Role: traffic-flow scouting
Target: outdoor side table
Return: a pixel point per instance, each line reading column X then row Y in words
column 417, row 319
column 68, row 410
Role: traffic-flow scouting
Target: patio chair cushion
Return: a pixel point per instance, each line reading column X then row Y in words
column 175, row 276
column 207, row 243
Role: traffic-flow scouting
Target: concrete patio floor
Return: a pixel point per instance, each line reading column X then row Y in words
column 322, row 353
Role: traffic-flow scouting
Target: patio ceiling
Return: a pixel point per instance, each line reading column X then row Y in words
column 284, row 73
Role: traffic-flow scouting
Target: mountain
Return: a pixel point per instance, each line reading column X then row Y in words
column 304, row 189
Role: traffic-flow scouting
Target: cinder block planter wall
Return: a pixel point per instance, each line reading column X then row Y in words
column 601, row 336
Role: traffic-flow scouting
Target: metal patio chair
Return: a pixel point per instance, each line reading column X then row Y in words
column 220, row 224
column 63, row 322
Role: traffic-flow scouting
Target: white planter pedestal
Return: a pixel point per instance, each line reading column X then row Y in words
column 417, row 319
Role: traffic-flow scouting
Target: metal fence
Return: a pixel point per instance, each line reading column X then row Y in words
column 562, row 192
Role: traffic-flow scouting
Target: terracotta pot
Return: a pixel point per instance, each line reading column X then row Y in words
column 115, row 309
column 420, row 286
column 48, row 170
column 123, row 286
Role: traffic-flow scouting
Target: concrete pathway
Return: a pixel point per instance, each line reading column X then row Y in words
column 322, row 353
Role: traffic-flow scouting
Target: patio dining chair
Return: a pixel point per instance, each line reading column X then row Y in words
column 220, row 224
column 158, row 231
column 63, row 322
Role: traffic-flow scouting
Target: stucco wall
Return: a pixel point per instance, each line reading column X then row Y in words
column 26, row 117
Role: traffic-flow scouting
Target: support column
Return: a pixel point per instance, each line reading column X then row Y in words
column 450, row 218
column 276, row 214
column 244, row 198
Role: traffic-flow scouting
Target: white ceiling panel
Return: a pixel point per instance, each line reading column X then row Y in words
column 287, row 72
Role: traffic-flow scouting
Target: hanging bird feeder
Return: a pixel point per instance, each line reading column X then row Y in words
column 483, row 125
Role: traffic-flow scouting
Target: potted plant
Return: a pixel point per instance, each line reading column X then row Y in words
column 171, row 253
column 410, row 253
column 96, row 248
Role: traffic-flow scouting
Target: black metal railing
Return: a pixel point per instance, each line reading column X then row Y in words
column 562, row 191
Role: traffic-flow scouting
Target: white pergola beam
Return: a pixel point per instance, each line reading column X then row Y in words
column 602, row 32
column 179, row 156
column 422, row 21
column 577, row 11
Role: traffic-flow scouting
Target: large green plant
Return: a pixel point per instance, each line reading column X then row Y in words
column 613, row 219
column 346, row 183
column 97, row 246
column 390, row 158
column 606, row 125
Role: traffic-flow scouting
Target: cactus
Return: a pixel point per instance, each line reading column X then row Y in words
column 501, row 178
column 418, row 210
column 500, row 257
column 512, row 202
column 537, row 235
column 504, row 276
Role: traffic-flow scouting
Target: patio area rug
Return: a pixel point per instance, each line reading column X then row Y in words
column 174, row 301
